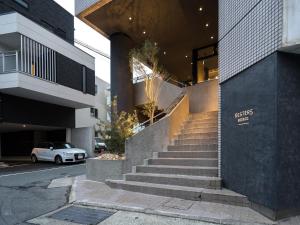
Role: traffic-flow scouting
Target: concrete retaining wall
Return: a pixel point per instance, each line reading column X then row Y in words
column 204, row 96
column 155, row 138
column 100, row 170
column 167, row 94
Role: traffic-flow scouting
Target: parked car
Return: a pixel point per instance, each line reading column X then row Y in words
column 99, row 145
column 58, row 152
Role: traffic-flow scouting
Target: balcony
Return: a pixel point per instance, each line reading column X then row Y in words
column 30, row 71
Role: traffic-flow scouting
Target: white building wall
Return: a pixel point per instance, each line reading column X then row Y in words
column 16, row 23
column 291, row 28
column 83, row 117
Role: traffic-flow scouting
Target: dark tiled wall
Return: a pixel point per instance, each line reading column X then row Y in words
column 26, row 111
column 249, row 155
column 262, row 159
column 69, row 73
column 47, row 13
column 289, row 131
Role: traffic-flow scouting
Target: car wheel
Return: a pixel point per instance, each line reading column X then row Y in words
column 58, row 160
column 34, row 159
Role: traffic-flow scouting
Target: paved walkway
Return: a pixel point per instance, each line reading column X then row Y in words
column 98, row 194
column 132, row 208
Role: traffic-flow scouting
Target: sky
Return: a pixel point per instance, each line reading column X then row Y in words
column 91, row 37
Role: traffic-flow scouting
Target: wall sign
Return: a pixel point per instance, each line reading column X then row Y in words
column 243, row 117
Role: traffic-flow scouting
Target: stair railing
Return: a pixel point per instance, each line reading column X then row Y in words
column 165, row 112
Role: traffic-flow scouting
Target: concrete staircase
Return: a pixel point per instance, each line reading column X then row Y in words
column 188, row 170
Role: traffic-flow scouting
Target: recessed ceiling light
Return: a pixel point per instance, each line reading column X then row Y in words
column 212, row 37
column 186, row 56
column 165, row 52
column 155, row 43
column 200, row 9
column 24, row 125
column 130, row 18
column 144, row 32
column 191, row 63
column 206, row 25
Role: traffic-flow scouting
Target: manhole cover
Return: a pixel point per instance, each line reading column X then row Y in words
column 81, row 215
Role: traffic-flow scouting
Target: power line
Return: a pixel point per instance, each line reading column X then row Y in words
column 92, row 48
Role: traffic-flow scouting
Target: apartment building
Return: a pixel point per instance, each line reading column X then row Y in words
column 44, row 78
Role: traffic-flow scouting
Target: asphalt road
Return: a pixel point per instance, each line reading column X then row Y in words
column 24, row 194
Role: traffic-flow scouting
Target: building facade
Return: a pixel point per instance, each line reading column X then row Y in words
column 259, row 80
column 252, row 49
column 88, row 119
column 44, row 78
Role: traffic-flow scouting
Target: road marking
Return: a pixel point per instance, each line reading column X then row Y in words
column 36, row 171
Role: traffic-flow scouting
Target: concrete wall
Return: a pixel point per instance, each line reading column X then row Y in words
column 84, row 138
column 204, row 96
column 155, row 138
column 291, row 18
column 100, row 170
column 167, row 93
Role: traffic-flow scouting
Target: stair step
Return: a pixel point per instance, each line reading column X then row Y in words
column 179, row 180
column 199, row 130
column 184, row 161
column 212, row 114
column 196, row 125
column 190, row 193
column 182, row 170
column 188, row 154
column 198, row 135
column 203, row 120
column 214, row 139
column 196, row 141
column 201, row 147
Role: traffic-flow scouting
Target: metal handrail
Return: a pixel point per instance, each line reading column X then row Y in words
column 143, row 77
column 166, row 111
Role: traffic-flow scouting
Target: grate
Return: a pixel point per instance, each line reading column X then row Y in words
column 81, row 215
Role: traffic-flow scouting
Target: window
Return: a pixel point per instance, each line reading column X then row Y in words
column 96, row 89
column 22, row 3
column 94, row 112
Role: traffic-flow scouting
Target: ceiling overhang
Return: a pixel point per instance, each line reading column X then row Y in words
column 177, row 26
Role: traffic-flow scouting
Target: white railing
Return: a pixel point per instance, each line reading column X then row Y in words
column 32, row 59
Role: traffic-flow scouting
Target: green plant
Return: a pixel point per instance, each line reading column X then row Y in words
column 119, row 129
column 148, row 55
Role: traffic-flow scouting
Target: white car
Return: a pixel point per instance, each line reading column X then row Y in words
column 58, row 152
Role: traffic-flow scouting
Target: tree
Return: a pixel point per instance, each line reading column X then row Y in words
column 119, row 129
column 148, row 55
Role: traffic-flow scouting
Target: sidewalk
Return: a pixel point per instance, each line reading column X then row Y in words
column 130, row 208
column 90, row 193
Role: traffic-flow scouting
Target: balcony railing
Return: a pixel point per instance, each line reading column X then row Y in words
column 9, row 61
column 33, row 59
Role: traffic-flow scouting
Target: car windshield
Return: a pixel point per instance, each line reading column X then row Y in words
column 62, row 145
column 98, row 140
